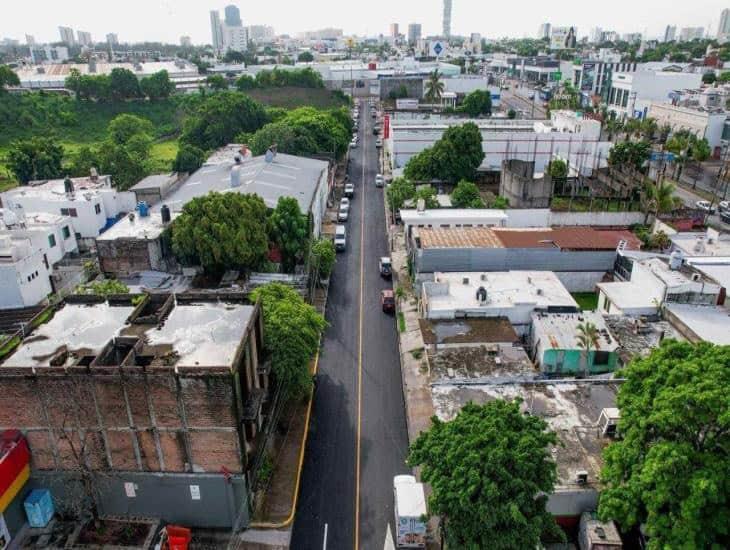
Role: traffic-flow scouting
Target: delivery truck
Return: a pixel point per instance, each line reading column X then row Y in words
column 410, row 512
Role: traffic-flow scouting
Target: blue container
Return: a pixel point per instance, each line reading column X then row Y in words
column 39, row 507
column 143, row 208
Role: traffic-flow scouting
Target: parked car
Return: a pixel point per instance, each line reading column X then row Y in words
column 343, row 214
column 705, row 206
column 725, row 216
column 387, row 301
column 349, row 190
column 723, row 206
column 379, row 180
column 353, row 144
column 344, row 203
column 378, row 142
column 386, row 267
column 340, row 238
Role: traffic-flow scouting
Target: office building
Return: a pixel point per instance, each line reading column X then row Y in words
column 84, row 38
column 51, row 54
column 235, row 38
column 723, row 29
column 687, row 34
column 544, row 31
column 670, row 33
column 260, row 33
column 414, row 33
column 112, row 39
column 29, row 40
column 185, row 41
column 446, row 29
column 216, row 30
column 631, row 94
column 596, row 36
column 632, row 37
column 67, row 36
column 394, row 30
column 232, row 16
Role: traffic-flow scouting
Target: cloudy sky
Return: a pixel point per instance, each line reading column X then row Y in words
column 167, row 20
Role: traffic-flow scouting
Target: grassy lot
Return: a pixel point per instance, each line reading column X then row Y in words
column 291, row 98
column 162, row 155
column 587, row 301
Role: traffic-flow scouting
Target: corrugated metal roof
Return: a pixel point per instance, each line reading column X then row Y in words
column 568, row 238
column 458, row 237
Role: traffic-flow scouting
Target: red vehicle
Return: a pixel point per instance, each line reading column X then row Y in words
column 387, row 301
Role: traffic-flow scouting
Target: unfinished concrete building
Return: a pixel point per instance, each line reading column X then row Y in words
column 164, row 400
column 523, row 187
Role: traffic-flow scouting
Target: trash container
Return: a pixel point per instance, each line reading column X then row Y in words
column 178, row 538
column 39, row 507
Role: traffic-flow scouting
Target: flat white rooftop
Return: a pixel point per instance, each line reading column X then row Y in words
column 54, row 189
column 628, row 295
column 455, row 215
column 711, row 324
column 559, row 330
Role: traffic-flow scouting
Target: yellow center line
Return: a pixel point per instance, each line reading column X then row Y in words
column 363, row 187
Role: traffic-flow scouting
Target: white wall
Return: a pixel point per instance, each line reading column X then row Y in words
column 580, row 281
column 24, row 283
column 544, row 217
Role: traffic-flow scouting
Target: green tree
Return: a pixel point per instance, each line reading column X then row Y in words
column 427, row 194
column 434, row 87
column 633, row 154
column 103, row 288
column 709, row 78
column 558, row 168
column 220, row 117
column 83, row 160
column 511, row 114
column 670, row 470
column 466, row 195
column 222, row 231
column 399, row 191
column 724, row 77
column 454, row 157
column 126, row 165
column 157, row 86
column 289, row 229
column 500, row 203
column 490, row 470
column 586, row 334
column 478, row 102
column 245, row 82
column 216, row 82
column 292, row 329
column 123, row 84
column 323, row 257
column 123, row 128
column 188, row 159
column 658, row 198
column 305, row 57
column 700, row 150
column 8, row 78
column 35, row 158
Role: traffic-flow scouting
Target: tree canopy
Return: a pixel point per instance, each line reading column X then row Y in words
column 8, row 78
column 35, row 158
column 289, row 229
column 157, row 86
column 324, row 256
column 222, row 231
column 630, row 153
column 466, row 195
column 305, row 57
column 220, row 117
column 558, row 168
column 292, row 329
column 490, row 469
column 188, row 159
column 454, row 157
column 399, row 191
column 670, row 469
column 477, row 103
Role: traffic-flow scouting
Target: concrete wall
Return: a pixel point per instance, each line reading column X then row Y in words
column 414, row 85
column 543, row 217
column 580, row 281
column 123, row 257
column 520, row 187
column 24, row 283
column 572, row 361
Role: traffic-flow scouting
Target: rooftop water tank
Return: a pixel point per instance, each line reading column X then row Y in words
column 165, row 214
column 236, row 176
column 675, row 260
column 143, row 209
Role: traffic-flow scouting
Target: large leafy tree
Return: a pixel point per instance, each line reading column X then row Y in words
column 126, row 151
column 398, row 192
column 220, row 117
column 157, row 86
column 188, row 159
column 292, row 329
column 670, row 471
column 124, row 127
column 323, row 256
column 478, row 102
column 8, row 78
column 222, row 231
column 289, row 229
column 633, row 154
column 658, row 198
column 123, row 84
column 466, row 195
column 490, row 470
column 454, row 157
column 35, row 158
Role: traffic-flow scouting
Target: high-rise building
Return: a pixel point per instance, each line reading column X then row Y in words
column 112, row 39
column 185, row 41
column 447, row 19
column 233, row 16
column 670, row 34
column 29, row 40
column 544, row 31
column 216, row 30
column 67, row 36
column 394, row 30
column 414, row 33
column 723, row 29
column 687, row 34
column 84, row 38
column 235, row 38
column 260, row 33
column 596, row 36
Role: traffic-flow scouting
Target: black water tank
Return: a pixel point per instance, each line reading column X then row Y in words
column 165, row 213
column 68, row 185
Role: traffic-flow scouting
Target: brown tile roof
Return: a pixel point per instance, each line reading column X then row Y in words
column 568, row 238
column 458, row 237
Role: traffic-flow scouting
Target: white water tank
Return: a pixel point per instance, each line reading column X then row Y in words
column 236, row 176
column 675, row 260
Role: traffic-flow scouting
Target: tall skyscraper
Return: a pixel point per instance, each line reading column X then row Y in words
column 29, row 40
column 216, row 30
column 112, row 39
column 544, row 31
column 394, row 30
column 67, row 36
column 414, row 33
column 723, row 29
column 233, row 16
column 185, row 41
column 447, row 19
column 687, row 34
column 670, row 34
column 596, row 36
column 84, row 38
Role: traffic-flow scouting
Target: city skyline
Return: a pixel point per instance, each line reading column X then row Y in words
column 193, row 20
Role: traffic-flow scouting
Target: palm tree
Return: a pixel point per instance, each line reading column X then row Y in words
column 586, row 339
column 659, row 198
column 434, row 87
column 649, row 127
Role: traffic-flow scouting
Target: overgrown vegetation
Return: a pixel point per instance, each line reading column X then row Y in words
column 105, row 287
column 454, row 157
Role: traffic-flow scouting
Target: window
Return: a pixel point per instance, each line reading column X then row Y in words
column 97, row 208
column 64, row 211
column 78, row 236
column 51, row 240
column 66, row 232
column 72, row 212
column 600, row 358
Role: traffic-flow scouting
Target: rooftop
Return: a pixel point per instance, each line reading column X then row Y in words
column 559, row 330
column 707, row 323
column 637, row 337
column 134, row 226
column 55, row 190
column 694, row 244
column 466, row 237
column 567, row 238
column 439, row 215
column 155, row 181
column 571, row 408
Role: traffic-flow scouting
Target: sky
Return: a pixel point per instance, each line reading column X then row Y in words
column 167, row 20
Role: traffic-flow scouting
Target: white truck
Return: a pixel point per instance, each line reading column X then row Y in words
column 410, row 512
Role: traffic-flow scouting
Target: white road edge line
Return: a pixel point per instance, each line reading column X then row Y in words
column 324, row 542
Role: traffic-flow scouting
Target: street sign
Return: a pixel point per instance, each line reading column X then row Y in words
column 437, row 48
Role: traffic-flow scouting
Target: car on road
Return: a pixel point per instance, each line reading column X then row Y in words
column 378, row 142
column 343, row 214
column 353, row 144
column 410, row 512
column 705, row 206
column 386, row 267
column 723, row 206
column 387, row 301
column 376, row 130
column 725, row 216
column 379, row 180
column 349, row 190
column 340, row 238
column 345, row 203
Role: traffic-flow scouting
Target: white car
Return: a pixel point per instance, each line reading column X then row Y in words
column 723, row 206
column 344, row 203
column 379, row 180
column 349, row 190
column 353, row 144
column 705, row 206
column 379, row 142
column 343, row 214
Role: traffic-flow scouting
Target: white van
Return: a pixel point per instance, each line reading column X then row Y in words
column 410, row 511
column 340, row 238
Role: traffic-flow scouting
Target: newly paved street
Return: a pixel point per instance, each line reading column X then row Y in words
column 358, row 408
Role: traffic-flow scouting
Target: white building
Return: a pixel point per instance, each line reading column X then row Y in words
column 92, row 204
column 566, row 135
column 186, row 41
column 24, row 276
column 701, row 122
column 670, row 33
column 544, row 31
column 630, row 94
column 52, row 234
column 723, row 29
column 84, row 38
column 67, row 36
column 511, row 294
column 112, row 39
column 687, row 34
column 48, row 54
column 234, row 38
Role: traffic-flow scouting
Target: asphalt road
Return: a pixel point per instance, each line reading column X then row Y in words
column 358, row 410
column 512, row 99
